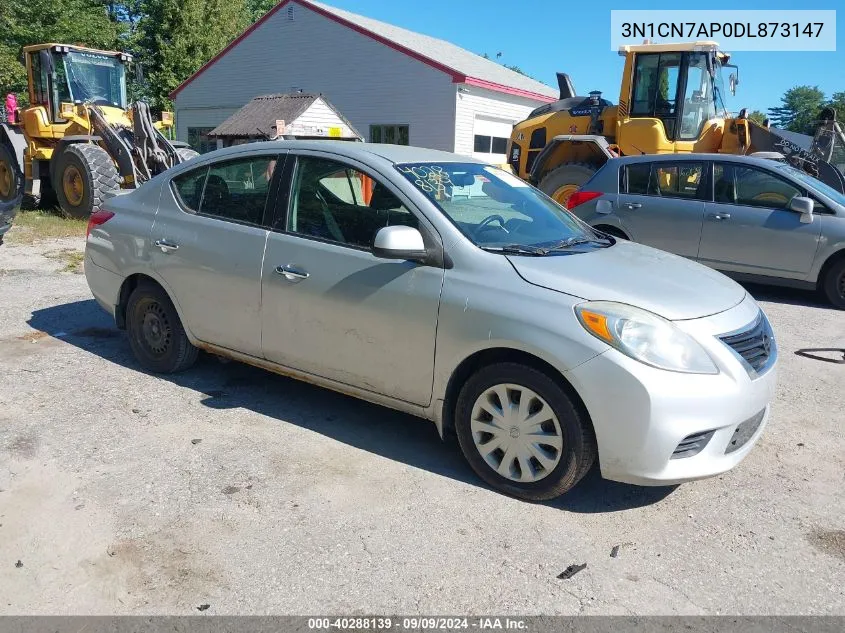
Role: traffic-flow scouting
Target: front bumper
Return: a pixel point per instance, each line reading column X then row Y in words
column 641, row 414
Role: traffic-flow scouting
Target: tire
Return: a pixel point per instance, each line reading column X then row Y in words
column 155, row 331
column 83, row 177
column 577, row 452
column 186, row 153
column 11, row 183
column 572, row 174
column 833, row 284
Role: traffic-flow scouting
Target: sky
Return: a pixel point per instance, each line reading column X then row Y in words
column 546, row 36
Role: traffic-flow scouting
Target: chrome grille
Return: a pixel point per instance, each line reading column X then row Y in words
column 755, row 344
column 692, row 444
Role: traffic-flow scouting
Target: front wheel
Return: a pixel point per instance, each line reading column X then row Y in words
column 83, row 177
column 522, row 433
column 156, row 335
column 833, row 284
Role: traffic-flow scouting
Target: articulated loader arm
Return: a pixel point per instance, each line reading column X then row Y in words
column 115, row 145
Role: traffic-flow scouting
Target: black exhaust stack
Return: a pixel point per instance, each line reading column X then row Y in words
column 567, row 90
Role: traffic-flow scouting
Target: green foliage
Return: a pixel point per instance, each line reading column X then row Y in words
column 257, row 8
column 176, row 37
column 758, row 117
column 24, row 22
column 799, row 110
column 837, row 102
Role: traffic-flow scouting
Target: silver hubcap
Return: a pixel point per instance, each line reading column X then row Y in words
column 516, row 432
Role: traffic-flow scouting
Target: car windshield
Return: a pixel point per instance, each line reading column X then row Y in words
column 814, row 184
column 496, row 210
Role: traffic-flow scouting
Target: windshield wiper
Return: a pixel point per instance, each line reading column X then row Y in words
column 574, row 241
column 517, row 249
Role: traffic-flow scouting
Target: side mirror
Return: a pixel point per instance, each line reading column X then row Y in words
column 732, row 83
column 399, row 242
column 804, row 206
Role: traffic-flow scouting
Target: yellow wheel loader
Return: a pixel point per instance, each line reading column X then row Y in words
column 78, row 138
column 671, row 101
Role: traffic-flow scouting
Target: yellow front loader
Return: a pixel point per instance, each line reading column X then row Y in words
column 78, row 137
column 671, row 100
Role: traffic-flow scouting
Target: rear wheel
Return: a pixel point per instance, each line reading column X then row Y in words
column 11, row 182
column 83, row 177
column 563, row 181
column 522, row 433
column 186, row 153
column 156, row 335
column 833, row 284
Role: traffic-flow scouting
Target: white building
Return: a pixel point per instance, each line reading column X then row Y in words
column 392, row 84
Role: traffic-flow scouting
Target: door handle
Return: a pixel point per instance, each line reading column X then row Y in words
column 719, row 216
column 166, row 246
column 291, row 272
column 631, row 205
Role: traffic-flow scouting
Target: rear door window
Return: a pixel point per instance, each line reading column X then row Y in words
column 189, row 186
column 235, row 190
column 668, row 180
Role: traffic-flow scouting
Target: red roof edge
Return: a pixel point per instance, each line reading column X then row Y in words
column 454, row 74
column 481, row 83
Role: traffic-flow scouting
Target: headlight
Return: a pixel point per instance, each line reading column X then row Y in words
column 645, row 337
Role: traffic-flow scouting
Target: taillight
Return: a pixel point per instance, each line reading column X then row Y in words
column 580, row 197
column 97, row 218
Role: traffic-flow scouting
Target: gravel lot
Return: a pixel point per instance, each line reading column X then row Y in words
column 125, row 493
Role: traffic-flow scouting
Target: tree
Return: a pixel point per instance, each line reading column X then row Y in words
column 837, row 102
column 799, row 110
column 757, row 117
column 25, row 22
column 257, row 8
column 176, row 37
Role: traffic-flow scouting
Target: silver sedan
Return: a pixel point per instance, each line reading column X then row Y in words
column 446, row 288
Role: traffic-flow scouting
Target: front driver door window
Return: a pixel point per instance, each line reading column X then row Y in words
column 341, row 204
column 333, row 309
column 749, row 228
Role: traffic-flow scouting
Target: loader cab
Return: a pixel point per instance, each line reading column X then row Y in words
column 673, row 91
column 61, row 74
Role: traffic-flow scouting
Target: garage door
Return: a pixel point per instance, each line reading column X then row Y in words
column 490, row 141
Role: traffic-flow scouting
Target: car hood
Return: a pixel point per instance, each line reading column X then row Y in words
column 665, row 284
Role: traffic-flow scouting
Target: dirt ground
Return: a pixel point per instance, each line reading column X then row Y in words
column 126, row 493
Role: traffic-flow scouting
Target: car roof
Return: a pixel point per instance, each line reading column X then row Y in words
column 726, row 158
column 351, row 149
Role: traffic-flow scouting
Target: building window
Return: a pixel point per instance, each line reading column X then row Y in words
column 198, row 139
column 490, row 144
column 393, row 134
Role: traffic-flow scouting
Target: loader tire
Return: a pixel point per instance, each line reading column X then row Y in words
column 84, row 175
column 11, row 182
column 186, row 153
column 563, row 181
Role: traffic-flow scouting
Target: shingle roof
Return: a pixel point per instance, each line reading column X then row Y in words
column 463, row 65
column 256, row 118
column 443, row 52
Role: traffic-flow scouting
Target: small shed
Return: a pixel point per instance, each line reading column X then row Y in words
column 292, row 115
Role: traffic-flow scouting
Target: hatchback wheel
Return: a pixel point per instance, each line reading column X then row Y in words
column 834, row 284
column 522, row 433
column 156, row 335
